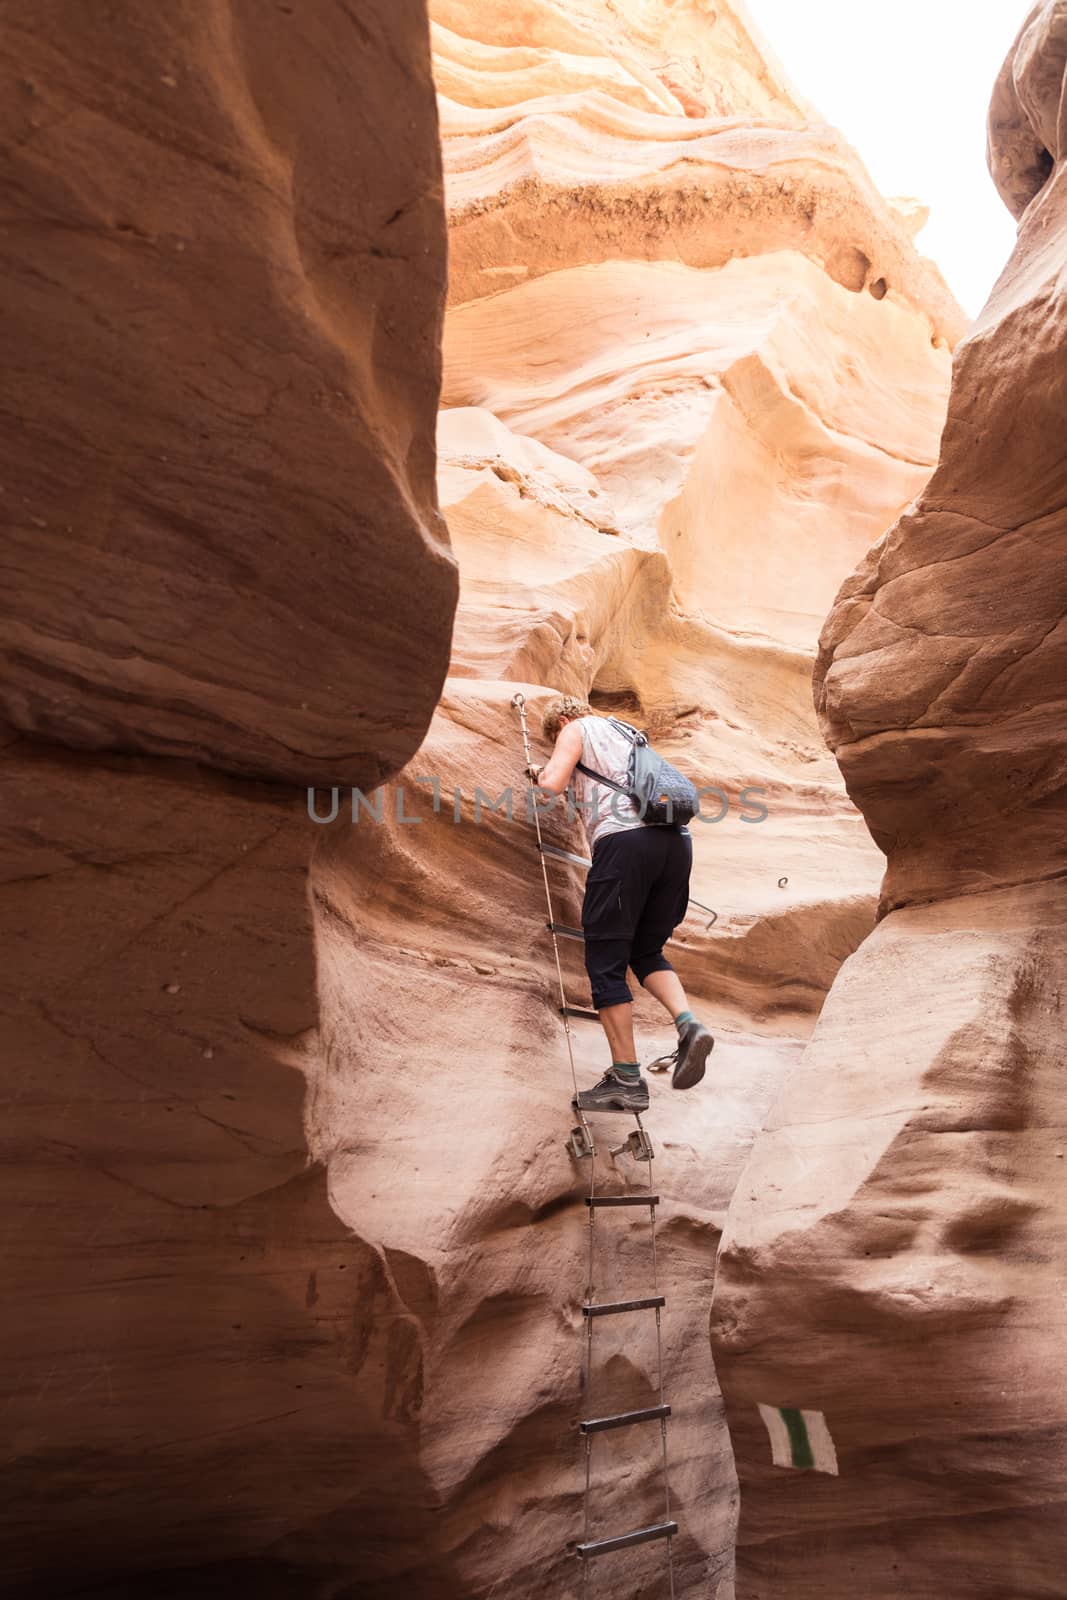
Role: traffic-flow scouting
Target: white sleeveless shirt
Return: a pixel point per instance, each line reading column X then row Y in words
column 603, row 810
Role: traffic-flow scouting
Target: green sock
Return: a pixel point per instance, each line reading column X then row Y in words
column 682, row 1018
column 629, row 1071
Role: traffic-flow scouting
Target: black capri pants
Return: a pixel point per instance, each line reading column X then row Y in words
column 636, row 894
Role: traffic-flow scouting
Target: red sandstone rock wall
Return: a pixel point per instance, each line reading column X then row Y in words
column 223, row 258
column 694, row 366
column 894, row 1254
column 657, row 463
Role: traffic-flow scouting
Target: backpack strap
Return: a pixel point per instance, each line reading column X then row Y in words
column 633, row 735
column 627, row 730
column 600, row 778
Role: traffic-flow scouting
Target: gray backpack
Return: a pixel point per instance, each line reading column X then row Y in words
column 664, row 797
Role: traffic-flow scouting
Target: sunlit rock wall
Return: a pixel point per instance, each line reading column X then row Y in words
column 894, row 1257
column 694, row 367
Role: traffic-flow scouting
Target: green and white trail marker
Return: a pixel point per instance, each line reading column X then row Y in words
column 799, row 1439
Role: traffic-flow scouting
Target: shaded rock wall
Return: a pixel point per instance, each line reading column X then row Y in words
column 221, row 324
column 221, row 319
column 894, row 1252
column 657, row 462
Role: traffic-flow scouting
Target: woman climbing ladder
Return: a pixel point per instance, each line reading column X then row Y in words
column 636, row 894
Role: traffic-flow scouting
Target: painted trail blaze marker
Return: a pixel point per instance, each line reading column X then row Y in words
column 799, row 1439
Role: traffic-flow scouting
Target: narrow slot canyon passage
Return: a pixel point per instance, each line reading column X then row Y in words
column 378, row 374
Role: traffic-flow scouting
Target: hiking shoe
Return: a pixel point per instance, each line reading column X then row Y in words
column 694, row 1048
column 613, row 1093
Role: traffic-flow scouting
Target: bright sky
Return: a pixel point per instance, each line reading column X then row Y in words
column 909, row 85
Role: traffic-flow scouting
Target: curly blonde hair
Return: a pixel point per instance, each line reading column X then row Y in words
column 564, row 705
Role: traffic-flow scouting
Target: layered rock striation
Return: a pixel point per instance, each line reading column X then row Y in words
column 584, row 131
column 221, row 322
column 693, row 367
column 894, row 1253
column 217, row 457
column 661, row 448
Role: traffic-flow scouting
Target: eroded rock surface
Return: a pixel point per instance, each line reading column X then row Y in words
column 657, row 462
column 581, row 131
column 894, row 1253
column 221, row 315
column 694, row 367
column 194, row 1347
column 217, row 459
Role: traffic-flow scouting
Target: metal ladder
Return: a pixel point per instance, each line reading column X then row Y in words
column 639, row 1146
column 582, row 1147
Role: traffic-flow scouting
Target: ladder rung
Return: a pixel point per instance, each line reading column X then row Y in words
column 579, row 1011
column 624, row 1419
column 610, row 1308
column 622, row 1541
column 622, row 1199
column 565, row 932
column 564, row 855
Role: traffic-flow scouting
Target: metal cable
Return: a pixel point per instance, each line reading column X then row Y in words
column 659, row 1376
column 590, row 1296
column 588, row 1473
column 519, row 702
column 587, row 1398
